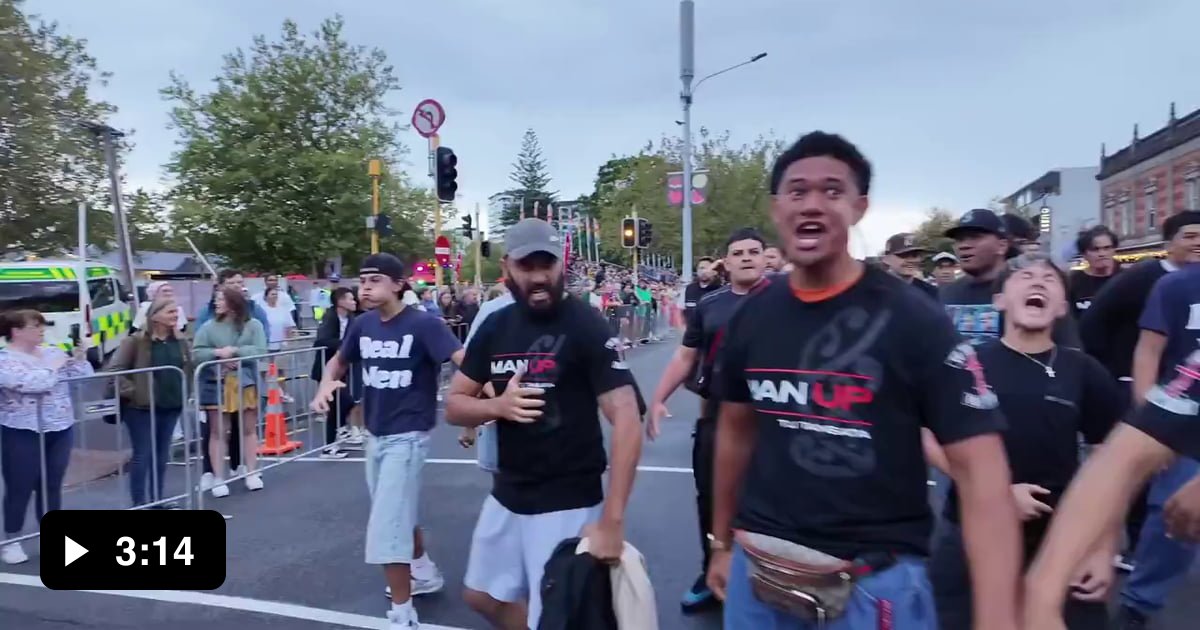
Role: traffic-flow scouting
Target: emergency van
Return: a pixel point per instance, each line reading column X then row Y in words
column 80, row 300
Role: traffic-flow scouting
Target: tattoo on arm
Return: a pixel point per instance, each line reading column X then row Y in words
column 619, row 404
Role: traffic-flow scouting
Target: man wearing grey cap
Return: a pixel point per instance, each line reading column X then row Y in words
column 551, row 361
column 903, row 255
column 945, row 268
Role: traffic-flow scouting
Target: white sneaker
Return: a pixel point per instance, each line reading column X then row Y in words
column 254, row 482
column 207, row 481
column 220, row 490
column 430, row 582
column 13, row 553
column 356, row 436
column 241, row 470
column 333, row 452
column 397, row 623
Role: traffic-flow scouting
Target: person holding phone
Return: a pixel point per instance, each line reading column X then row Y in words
column 37, row 421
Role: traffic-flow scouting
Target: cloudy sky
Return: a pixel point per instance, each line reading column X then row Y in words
column 955, row 102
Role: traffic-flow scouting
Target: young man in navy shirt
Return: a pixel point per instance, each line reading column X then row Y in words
column 1166, row 426
column 401, row 350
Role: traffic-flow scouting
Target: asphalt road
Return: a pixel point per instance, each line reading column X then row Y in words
column 295, row 549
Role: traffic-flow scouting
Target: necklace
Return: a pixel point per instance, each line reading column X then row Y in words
column 1048, row 366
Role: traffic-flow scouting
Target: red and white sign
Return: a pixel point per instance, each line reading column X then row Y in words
column 428, row 117
column 441, row 250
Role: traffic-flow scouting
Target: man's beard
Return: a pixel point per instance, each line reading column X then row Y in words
column 555, row 291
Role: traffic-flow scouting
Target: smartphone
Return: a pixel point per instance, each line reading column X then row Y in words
column 75, row 336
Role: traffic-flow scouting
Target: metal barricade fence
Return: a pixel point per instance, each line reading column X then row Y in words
column 95, row 400
column 212, row 403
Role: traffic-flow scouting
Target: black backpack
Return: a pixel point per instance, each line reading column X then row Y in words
column 576, row 591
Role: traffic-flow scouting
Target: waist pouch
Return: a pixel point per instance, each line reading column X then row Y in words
column 803, row 582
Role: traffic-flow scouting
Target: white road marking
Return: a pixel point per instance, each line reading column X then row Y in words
column 471, row 462
column 244, row 604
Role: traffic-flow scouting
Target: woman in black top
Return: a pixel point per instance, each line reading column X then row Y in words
column 1049, row 395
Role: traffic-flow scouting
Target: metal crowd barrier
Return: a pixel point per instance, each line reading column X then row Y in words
column 274, row 428
column 96, row 397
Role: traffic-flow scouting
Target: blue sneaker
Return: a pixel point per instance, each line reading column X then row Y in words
column 697, row 598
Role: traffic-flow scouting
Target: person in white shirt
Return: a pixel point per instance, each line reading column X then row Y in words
column 272, row 282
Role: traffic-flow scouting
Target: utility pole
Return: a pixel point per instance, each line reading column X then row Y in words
column 434, row 142
column 478, row 249
column 107, row 136
column 687, row 72
column 375, row 170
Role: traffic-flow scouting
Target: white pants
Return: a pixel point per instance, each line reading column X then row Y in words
column 509, row 551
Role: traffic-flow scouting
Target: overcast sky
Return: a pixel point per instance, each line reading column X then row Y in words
column 954, row 102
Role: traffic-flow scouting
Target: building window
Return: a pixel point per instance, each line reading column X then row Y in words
column 1151, row 210
column 1127, row 216
column 1193, row 193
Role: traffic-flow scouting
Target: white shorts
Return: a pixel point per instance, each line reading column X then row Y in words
column 509, row 551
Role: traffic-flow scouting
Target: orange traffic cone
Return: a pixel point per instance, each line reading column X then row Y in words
column 276, row 441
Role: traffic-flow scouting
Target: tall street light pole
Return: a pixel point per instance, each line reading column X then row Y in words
column 687, row 72
column 108, row 137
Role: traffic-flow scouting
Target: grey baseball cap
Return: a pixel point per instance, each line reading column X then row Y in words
column 530, row 236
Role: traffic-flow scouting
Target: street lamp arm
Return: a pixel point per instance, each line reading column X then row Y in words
column 733, row 67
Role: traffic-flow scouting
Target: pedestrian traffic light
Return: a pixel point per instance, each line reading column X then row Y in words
column 485, row 248
column 446, row 174
column 645, row 233
column 383, row 225
column 467, row 230
column 628, row 232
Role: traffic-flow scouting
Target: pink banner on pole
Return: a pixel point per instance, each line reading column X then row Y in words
column 567, row 250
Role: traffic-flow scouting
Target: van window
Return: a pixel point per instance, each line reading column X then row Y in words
column 43, row 297
column 102, row 291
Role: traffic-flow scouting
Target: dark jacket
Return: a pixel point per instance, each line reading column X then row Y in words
column 133, row 354
column 329, row 336
column 576, row 591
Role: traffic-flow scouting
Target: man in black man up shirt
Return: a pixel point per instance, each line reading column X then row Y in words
column 552, row 362
column 1049, row 395
column 707, row 280
column 826, row 381
column 693, row 360
column 983, row 245
column 1097, row 245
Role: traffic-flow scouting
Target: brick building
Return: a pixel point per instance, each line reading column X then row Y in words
column 1149, row 180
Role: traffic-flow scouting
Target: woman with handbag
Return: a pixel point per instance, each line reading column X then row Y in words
column 151, row 402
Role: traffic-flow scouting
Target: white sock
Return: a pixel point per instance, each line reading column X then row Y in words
column 402, row 612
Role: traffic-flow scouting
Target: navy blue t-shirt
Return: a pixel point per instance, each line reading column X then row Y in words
column 400, row 360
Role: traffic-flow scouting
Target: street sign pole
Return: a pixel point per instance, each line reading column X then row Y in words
column 434, row 141
column 478, row 249
column 374, row 169
column 687, row 71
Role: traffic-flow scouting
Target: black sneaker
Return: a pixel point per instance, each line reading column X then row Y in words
column 1128, row 618
column 698, row 598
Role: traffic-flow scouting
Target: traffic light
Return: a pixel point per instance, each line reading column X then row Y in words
column 446, row 174
column 467, row 230
column 628, row 232
column 383, row 225
column 485, row 248
column 645, row 233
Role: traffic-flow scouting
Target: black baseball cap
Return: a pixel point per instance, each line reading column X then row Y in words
column 902, row 243
column 385, row 264
column 1019, row 227
column 978, row 220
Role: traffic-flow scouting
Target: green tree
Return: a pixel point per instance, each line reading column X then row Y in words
column 532, row 181
column 931, row 233
column 490, row 269
column 48, row 163
column 271, row 169
column 738, row 194
column 149, row 218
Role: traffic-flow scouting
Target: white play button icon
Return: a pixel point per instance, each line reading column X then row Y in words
column 73, row 552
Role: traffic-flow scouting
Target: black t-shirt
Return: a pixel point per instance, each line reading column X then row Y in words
column 556, row 462
column 694, row 291
column 969, row 303
column 704, row 330
column 1046, row 416
column 840, row 390
column 1081, row 288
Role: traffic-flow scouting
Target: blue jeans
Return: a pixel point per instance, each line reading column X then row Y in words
column 1160, row 563
column 150, row 436
column 394, row 464
column 903, row 588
